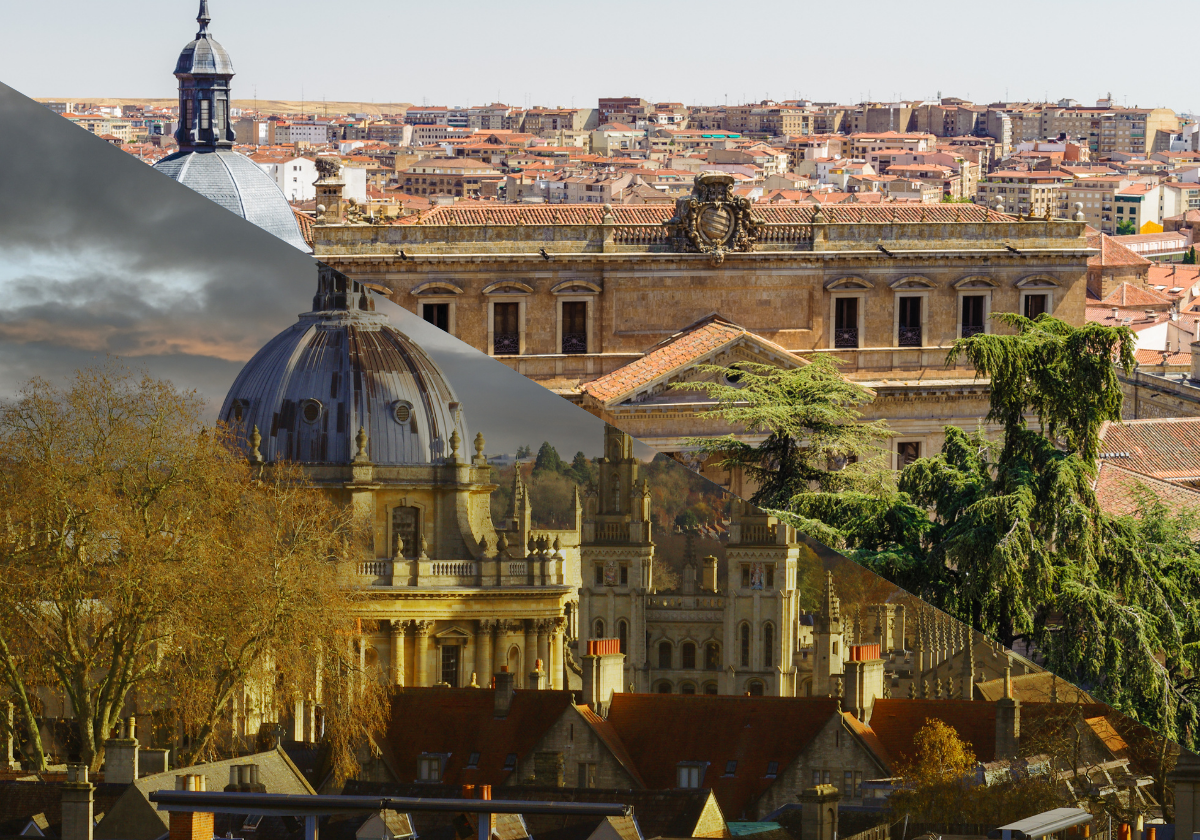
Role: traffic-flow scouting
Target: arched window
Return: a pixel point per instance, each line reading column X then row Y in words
column 712, row 657
column 687, row 688
column 664, row 654
column 745, row 638
column 622, row 633
column 599, row 628
column 754, row 688
column 710, row 688
column 664, row 688
column 768, row 642
column 688, row 652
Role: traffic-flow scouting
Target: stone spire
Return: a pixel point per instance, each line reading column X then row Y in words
column 831, row 606
column 968, row 669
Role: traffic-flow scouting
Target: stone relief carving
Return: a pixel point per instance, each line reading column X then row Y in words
column 713, row 220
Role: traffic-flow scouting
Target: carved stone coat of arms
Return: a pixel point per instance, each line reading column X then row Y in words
column 712, row 220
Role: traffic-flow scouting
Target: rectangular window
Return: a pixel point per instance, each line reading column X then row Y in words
column 510, row 761
column 599, row 574
column 816, row 777
column 730, row 768
column 204, row 113
column 910, row 322
column 689, row 776
column 847, row 782
column 450, row 665
column 1035, row 305
column 429, row 769
column 472, row 761
column 772, row 769
column 827, row 777
column 857, row 783
column 972, row 315
column 437, row 314
column 624, row 575
column 587, row 775
column 770, row 577
column 574, row 326
column 506, row 331
column 907, row 452
column 404, row 532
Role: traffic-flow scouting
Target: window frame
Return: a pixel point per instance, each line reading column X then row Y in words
column 518, row 298
column 922, row 297
column 919, row 441
column 986, row 294
column 434, row 300
column 861, row 296
column 589, row 321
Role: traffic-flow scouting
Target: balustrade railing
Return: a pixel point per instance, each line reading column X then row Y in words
column 517, row 568
column 640, row 235
column 453, row 569
column 375, row 568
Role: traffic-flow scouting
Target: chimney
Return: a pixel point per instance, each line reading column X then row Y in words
column 121, row 755
column 77, row 799
column 863, row 680
column 1116, row 314
column 190, row 825
column 243, row 778
column 503, row 692
column 603, row 673
column 537, row 677
column 818, row 812
column 710, row 568
column 1008, row 718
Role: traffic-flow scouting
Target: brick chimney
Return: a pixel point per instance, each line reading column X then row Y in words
column 863, row 680
column 503, row 692
column 77, row 799
column 121, row 755
column 1008, row 718
column 243, row 778
column 190, row 825
column 537, row 677
column 603, row 673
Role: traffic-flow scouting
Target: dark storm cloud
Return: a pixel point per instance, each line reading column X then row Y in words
column 100, row 256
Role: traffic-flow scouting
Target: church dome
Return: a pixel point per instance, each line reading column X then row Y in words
column 343, row 367
column 240, row 186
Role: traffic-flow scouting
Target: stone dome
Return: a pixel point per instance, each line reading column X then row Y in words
column 240, row 186
column 203, row 56
column 343, row 367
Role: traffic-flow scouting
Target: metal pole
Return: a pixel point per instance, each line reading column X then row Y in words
column 310, row 827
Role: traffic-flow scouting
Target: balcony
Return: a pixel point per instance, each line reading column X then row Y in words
column 574, row 342
column 846, row 339
column 910, row 336
column 506, row 344
column 969, row 330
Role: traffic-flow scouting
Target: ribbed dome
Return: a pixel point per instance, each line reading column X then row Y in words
column 342, row 367
column 204, row 56
column 240, row 186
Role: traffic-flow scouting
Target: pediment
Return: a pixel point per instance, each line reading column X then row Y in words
column 508, row 287
column 436, row 287
column 452, row 634
column 976, row 281
column 579, row 287
column 912, row 282
column 1037, row 281
column 848, row 283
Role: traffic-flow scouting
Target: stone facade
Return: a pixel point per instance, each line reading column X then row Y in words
column 573, row 746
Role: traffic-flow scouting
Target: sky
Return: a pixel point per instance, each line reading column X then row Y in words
column 555, row 53
column 100, row 256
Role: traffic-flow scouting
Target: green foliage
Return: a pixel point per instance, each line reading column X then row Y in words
column 1190, row 257
column 1126, row 228
column 687, row 520
column 548, row 460
column 582, row 470
column 812, row 423
column 523, row 452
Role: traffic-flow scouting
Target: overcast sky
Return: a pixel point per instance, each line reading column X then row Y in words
column 556, row 53
column 101, row 255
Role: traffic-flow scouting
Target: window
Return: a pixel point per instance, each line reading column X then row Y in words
column 712, row 657
column 510, row 761
column 910, row 322
column 710, row 689
column 437, row 314
column 690, row 775
column 664, row 688
column 847, row 782
column 1035, row 305
column 770, row 570
column 907, row 452
column 816, row 777
column 772, row 769
column 587, row 775
column 599, row 574
column 845, row 322
column 599, row 627
column 754, row 688
column 450, row 665
column 972, row 315
column 768, row 642
column 730, row 768
column 624, row 575
column 745, row 576
column 622, row 633
column 664, row 654
column 857, row 783
column 574, row 326
column 429, row 768
column 745, row 637
column 687, row 688
column 688, row 656
column 506, row 329
column 472, row 761
column 404, row 532
column 204, row 106
column 827, row 777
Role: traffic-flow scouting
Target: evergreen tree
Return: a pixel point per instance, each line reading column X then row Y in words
column 1190, row 257
column 523, row 452
column 815, row 439
column 581, row 470
column 548, row 460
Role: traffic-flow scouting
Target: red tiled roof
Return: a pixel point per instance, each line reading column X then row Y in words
column 1138, row 320
column 612, row 740
column 307, row 224
column 1128, row 294
column 662, row 729
column 896, row 722
column 460, row 721
column 1117, row 491
column 1167, row 448
column 1155, row 357
column 679, row 350
column 867, row 735
column 1113, row 254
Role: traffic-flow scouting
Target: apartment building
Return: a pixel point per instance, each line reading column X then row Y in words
column 863, row 143
column 1034, row 193
column 459, row 177
column 1097, row 196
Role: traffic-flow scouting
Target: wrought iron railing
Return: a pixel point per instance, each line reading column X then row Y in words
column 506, row 344
column 846, row 337
column 969, row 330
column 910, row 336
column 574, row 342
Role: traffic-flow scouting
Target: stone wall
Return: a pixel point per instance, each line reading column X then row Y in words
column 574, row 739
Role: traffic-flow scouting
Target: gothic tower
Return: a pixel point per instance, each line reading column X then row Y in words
column 828, row 641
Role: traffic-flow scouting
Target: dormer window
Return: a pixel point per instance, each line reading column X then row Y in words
column 429, row 768
column 472, row 761
column 690, row 774
column 730, row 768
column 772, row 769
column 510, row 761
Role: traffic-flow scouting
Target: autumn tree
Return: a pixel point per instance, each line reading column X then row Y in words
column 142, row 554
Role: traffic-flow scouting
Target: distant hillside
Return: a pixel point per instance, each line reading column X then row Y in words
column 270, row 106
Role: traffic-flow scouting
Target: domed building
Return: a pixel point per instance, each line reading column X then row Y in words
column 373, row 421
column 206, row 161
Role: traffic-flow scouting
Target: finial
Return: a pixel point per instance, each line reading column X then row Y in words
column 557, row 545
column 399, row 555
column 474, row 682
column 203, row 18
column 455, row 442
column 255, row 440
column 501, row 543
column 532, row 544
column 360, row 440
column 424, row 546
column 479, row 445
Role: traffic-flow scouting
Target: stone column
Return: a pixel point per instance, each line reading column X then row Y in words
column 543, row 643
column 483, row 652
column 421, row 653
column 398, row 639
column 500, row 658
column 78, row 796
column 558, row 659
column 529, row 652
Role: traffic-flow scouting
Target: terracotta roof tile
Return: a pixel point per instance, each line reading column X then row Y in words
column 1155, row 357
column 1113, row 254
column 1117, row 491
column 1128, row 294
column 612, row 740
column 1168, row 449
